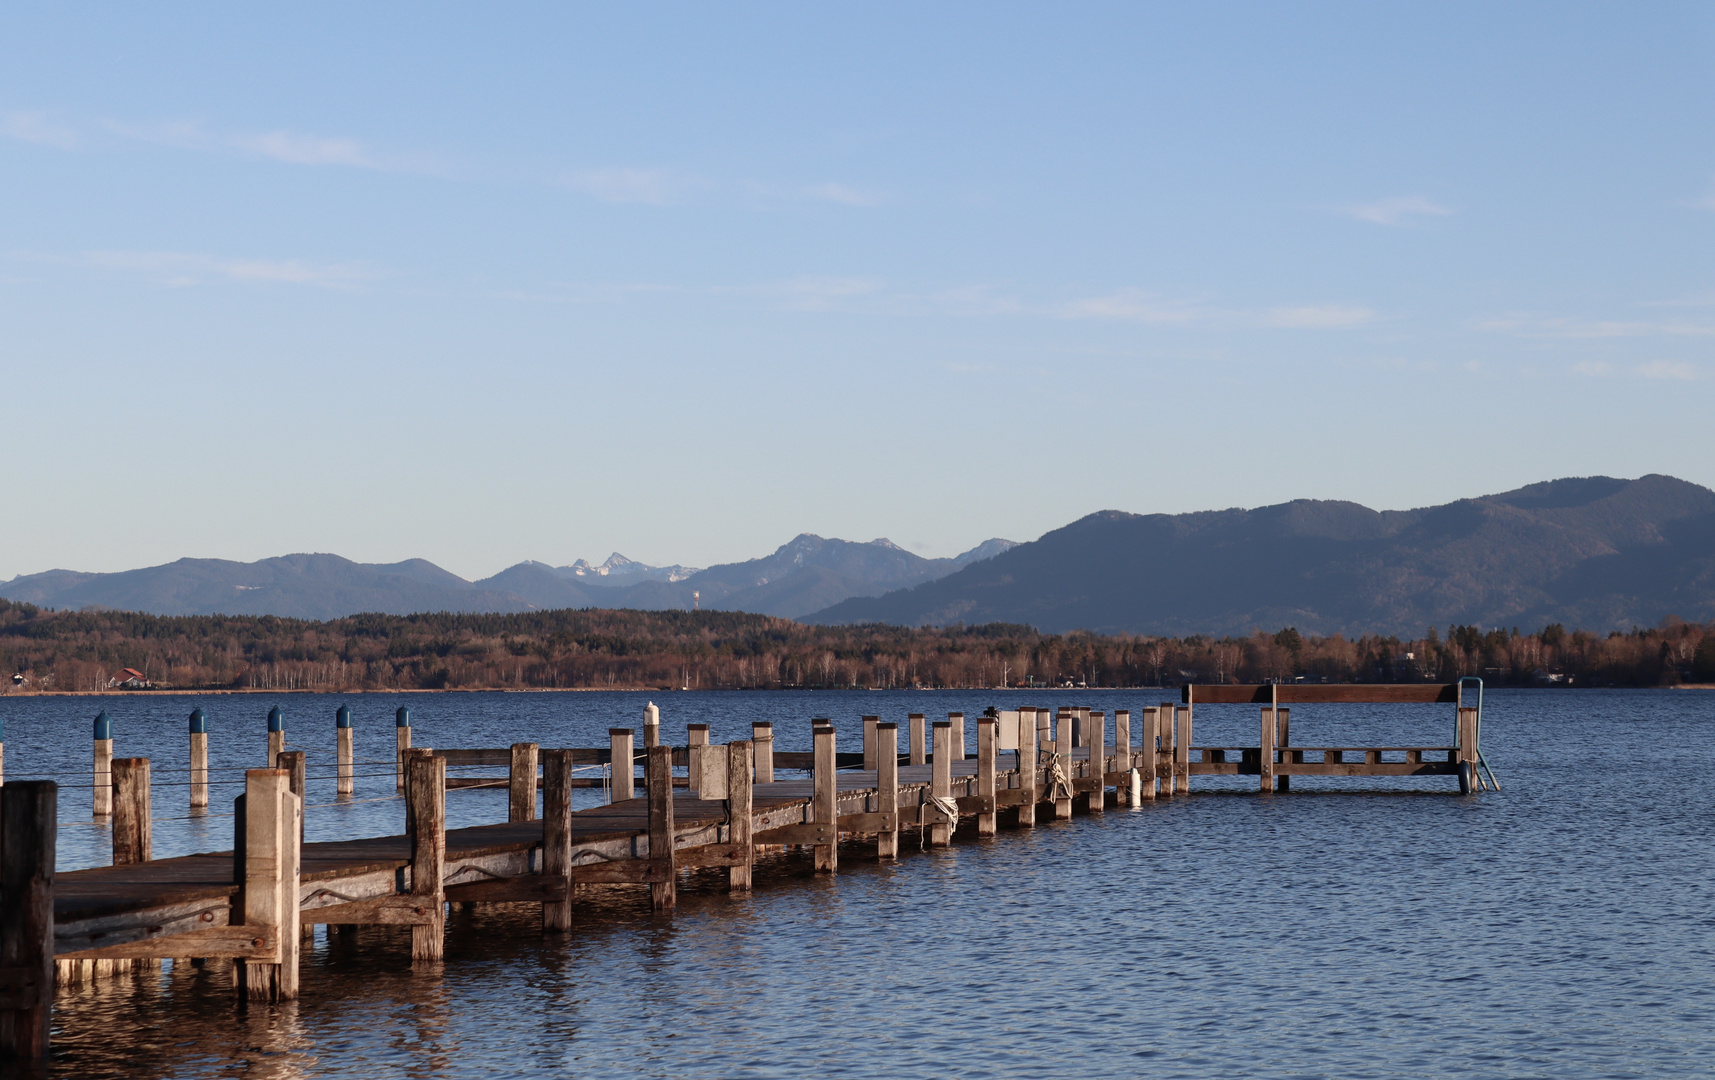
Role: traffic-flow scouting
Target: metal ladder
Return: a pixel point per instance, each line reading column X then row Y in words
column 1482, row 762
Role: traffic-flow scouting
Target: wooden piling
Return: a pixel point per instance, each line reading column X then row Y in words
column 1182, row 747
column 268, row 894
column 521, row 783
column 276, row 735
column 869, row 723
column 1169, row 759
column 658, row 776
column 1147, row 756
column 557, row 832
column 914, row 738
column 824, row 801
column 1265, row 754
column 101, row 803
column 29, row 827
column 293, row 762
column 426, row 795
column 762, row 739
column 344, row 774
column 957, row 719
column 988, row 741
column 887, row 789
column 651, row 728
column 132, row 827
column 1064, row 728
column 402, row 743
column 941, row 785
column 199, row 759
column 622, row 764
column 741, row 767
column 1030, row 722
column 1283, row 739
column 696, row 741
column 1466, row 733
column 410, row 754
column 1096, row 730
column 1122, row 755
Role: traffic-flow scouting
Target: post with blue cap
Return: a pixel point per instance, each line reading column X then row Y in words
column 402, row 728
column 343, row 782
column 199, row 758
column 103, row 800
column 276, row 736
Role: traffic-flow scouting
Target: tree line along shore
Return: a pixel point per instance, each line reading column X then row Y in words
column 73, row 651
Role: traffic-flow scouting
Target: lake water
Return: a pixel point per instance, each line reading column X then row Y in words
column 1563, row 927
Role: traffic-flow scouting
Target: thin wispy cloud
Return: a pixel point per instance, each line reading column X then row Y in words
column 626, row 185
column 287, row 147
column 38, row 128
column 843, row 194
column 1323, row 317
column 1529, row 326
column 1396, row 211
column 180, row 268
column 1676, row 370
column 1135, row 305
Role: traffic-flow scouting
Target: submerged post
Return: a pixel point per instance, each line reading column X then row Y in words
column 941, row 785
column 427, row 798
column 132, row 828
column 102, row 801
column 762, row 737
column 824, row 802
column 268, row 890
column 914, row 738
column 740, row 769
column 402, row 743
column 199, row 759
column 344, row 782
column 988, row 737
column 521, row 783
column 29, row 826
column 276, row 735
column 622, row 765
column 887, row 789
column 658, row 775
column 557, row 834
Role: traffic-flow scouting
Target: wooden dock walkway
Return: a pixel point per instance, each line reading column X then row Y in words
column 253, row 905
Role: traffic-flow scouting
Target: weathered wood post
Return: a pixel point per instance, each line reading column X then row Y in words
column 426, row 795
column 1283, row 738
column 1030, row 724
column 869, row 723
column 941, row 785
column 101, row 803
column 958, row 745
column 988, row 739
column 762, row 738
column 293, row 762
column 622, row 765
column 344, row 775
column 1065, row 715
column 1265, row 753
column 1146, row 753
column 741, row 768
column 651, row 729
column 1063, row 730
column 199, row 759
column 1096, row 729
column 1467, row 750
column 276, row 735
column 402, row 743
column 1182, row 747
column 521, row 783
column 557, row 834
column 914, row 738
column 1122, row 756
column 268, row 893
column 131, row 811
column 658, row 776
column 412, row 753
column 1169, row 760
column 824, row 802
column 2, row 750
column 696, row 744
column 887, row 789
column 29, row 826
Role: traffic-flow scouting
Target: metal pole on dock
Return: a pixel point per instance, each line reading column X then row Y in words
column 621, row 764
column 199, row 759
column 29, row 825
column 402, row 740
column 344, row 775
column 102, row 802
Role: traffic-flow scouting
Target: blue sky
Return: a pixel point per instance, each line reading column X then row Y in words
column 483, row 285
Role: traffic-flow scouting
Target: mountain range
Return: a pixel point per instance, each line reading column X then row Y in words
column 1592, row 552
column 802, row 576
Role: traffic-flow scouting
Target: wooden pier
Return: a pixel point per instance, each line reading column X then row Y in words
column 253, row 905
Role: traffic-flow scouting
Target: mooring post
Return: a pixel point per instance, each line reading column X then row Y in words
column 276, row 735
column 2, row 750
column 29, row 826
column 269, row 890
column 1283, row 729
column 1469, row 781
column 199, row 759
column 658, row 776
column 887, row 788
column 521, row 783
column 293, row 762
column 622, row 765
column 426, row 795
column 914, row 738
column 740, row 769
column 958, row 746
column 1167, row 761
column 941, row 784
column 412, row 753
column 1122, row 756
column 824, row 802
column 1146, row 753
column 1064, row 729
column 131, row 819
column 1096, row 728
column 651, row 728
column 869, row 723
column 557, row 834
column 988, row 738
column 402, row 743
column 1265, row 752
column 696, row 745
column 1182, row 747
column 1030, row 724
column 102, row 802
column 762, row 737
column 344, row 782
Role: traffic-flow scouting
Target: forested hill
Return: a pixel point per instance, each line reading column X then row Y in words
column 1596, row 552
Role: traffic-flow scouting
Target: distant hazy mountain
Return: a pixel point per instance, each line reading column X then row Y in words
column 1597, row 553
column 802, row 576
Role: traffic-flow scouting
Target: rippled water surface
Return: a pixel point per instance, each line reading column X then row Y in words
column 1563, row 927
